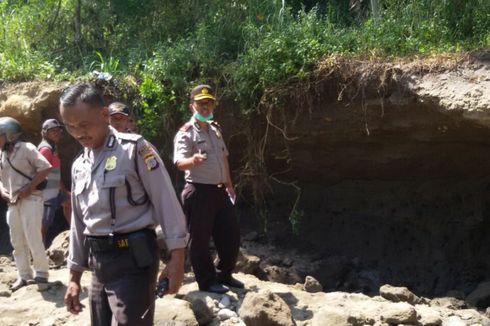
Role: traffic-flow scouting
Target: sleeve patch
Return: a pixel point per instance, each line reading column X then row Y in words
column 146, row 150
column 151, row 162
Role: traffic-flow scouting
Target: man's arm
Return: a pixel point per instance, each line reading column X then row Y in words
column 72, row 295
column 229, row 184
column 77, row 256
column 42, row 167
column 27, row 190
column 167, row 209
column 184, row 159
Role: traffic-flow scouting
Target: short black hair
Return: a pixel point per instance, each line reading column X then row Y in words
column 83, row 92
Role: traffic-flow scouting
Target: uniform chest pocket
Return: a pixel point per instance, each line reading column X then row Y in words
column 113, row 181
column 79, row 183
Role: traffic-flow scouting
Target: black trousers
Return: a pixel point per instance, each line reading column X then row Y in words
column 210, row 213
column 121, row 292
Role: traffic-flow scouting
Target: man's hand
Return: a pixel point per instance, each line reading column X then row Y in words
column 25, row 191
column 72, row 295
column 5, row 196
column 198, row 158
column 174, row 270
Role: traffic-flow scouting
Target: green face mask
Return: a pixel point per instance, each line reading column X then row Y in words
column 201, row 118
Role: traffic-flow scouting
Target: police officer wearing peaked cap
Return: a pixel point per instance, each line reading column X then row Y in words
column 208, row 195
column 120, row 192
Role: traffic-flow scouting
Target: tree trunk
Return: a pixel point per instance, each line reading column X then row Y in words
column 375, row 9
column 78, row 22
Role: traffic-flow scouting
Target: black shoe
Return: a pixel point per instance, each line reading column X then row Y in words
column 216, row 288
column 18, row 284
column 232, row 282
column 40, row 280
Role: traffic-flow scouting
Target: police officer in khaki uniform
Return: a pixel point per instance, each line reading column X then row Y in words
column 120, row 192
column 208, row 196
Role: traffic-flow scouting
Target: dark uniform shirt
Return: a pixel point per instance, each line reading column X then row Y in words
column 128, row 164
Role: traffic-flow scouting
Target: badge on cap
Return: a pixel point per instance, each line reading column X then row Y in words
column 110, row 163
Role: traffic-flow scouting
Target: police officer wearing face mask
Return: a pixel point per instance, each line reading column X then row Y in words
column 208, row 196
column 121, row 191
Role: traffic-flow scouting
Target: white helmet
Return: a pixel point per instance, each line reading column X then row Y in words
column 10, row 128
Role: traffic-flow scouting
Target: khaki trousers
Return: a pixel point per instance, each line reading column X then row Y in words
column 24, row 220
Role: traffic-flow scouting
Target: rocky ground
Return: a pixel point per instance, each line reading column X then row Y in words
column 261, row 303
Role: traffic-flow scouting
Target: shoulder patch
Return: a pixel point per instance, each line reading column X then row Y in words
column 149, row 155
column 216, row 124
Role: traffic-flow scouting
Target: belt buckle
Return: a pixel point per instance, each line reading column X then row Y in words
column 122, row 243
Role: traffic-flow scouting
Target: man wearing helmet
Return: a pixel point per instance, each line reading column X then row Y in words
column 22, row 169
column 55, row 194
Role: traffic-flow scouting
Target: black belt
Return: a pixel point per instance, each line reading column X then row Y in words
column 116, row 241
column 219, row 185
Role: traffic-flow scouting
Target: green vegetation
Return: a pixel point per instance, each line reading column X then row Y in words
column 244, row 45
column 157, row 49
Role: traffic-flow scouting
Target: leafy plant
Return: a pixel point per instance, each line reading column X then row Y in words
column 108, row 65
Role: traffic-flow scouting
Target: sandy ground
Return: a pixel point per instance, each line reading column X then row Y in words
column 39, row 305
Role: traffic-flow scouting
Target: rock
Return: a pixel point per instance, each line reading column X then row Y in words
column 225, row 314
column 169, row 309
column 265, row 309
column 480, row 297
column 5, row 294
column 449, row 303
column 454, row 321
column 330, row 316
column 58, row 251
column 398, row 294
column 5, row 261
column 487, row 312
column 202, row 312
column 398, row 313
column 170, row 323
column 248, row 264
column 282, row 275
column 428, row 316
column 234, row 321
column 312, row 285
column 225, row 302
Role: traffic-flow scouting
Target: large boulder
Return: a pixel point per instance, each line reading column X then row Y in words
column 265, row 308
column 399, row 313
column 170, row 309
column 312, row 285
column 58, row 251
column 246, row 263
column 331, row 316
column 398, row 294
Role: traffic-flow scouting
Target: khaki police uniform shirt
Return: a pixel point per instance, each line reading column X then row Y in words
column 191, row 139
column 123, row 159
column 25, row 158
